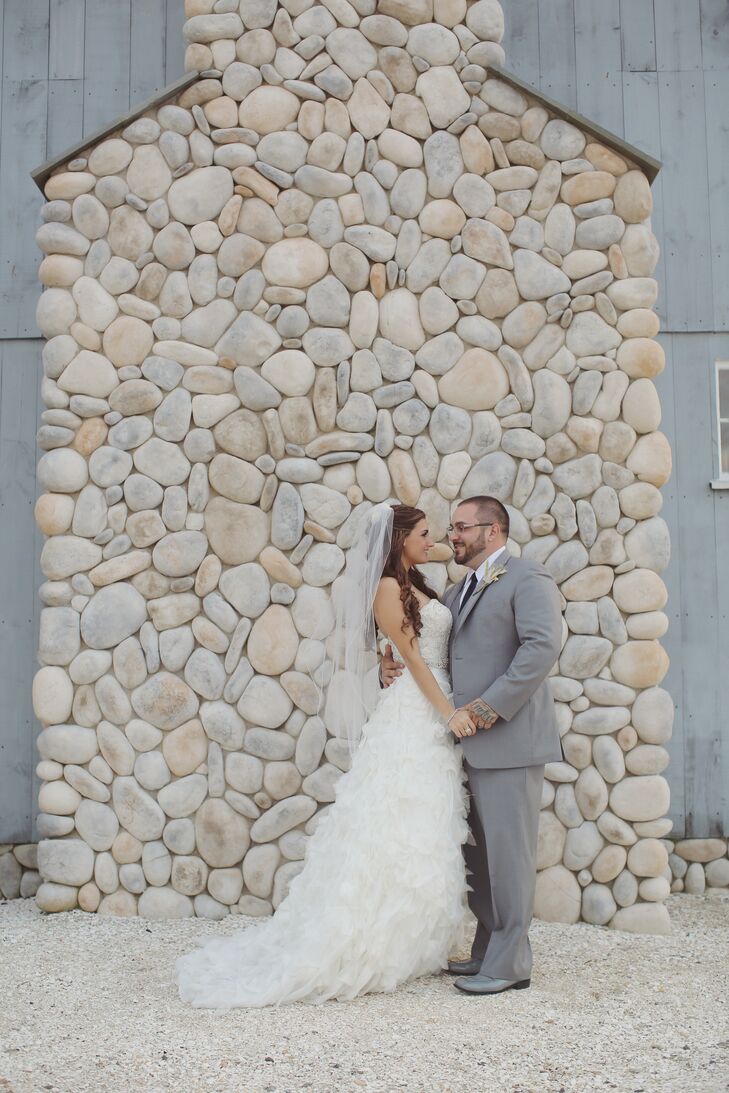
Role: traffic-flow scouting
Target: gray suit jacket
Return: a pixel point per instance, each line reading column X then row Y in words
column 502, row 648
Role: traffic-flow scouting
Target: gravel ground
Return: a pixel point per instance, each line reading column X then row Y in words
column 88, row 1005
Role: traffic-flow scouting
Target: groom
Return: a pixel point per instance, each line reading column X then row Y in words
column 505, row 639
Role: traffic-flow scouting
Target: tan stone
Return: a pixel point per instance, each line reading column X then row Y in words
column 700, row 850
column 185, row 748
column 90, row 435
column 647, row 858
column 604, row 159
column 405, row 480
column 279, row 568
column 642, row 918
column 650, row 460
column 639, row 590
column 589, row 584
column 237, row 533
column 442, row 219
column 633, row 198
column 644, row 797
column 588, row 186
column 641, row 322
column 268, row 109
column 477, row 382
column 273, row 642
column 639, row 663
column 54, row 513
column 642, row 406
column 609, row 863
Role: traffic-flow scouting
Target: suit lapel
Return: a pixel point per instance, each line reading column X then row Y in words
column 454, row 596
column 460, row 619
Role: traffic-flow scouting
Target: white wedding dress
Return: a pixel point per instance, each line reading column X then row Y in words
column 381, row 897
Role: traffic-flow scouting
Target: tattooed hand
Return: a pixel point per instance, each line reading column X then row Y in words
column 482, row 713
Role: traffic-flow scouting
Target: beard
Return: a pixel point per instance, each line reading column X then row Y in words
column 464, row 552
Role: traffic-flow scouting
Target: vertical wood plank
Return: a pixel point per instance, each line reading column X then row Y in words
column 642, row 125
column 24, row 114
column 638, row 36
column 65, row 115
column 175, row 41
column 719, row 345
column 598, row 61
column 25, row 40
column 678, row 35
column 686, row 229
column 147, row 49
column 720, row 351
column 716, row 88
column 19, row 370
column 66, row 44
column 714, row 16
column 521, row 40
column 673, row 640
column 557, row 50
column 106, row 61
column 701, row 656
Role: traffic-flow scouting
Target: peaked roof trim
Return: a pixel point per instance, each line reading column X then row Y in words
column 647, row 163
column 41, row 174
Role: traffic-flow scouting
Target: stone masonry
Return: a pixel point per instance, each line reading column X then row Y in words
column 348, row 264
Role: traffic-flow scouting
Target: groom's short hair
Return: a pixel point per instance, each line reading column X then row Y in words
column 490, row 511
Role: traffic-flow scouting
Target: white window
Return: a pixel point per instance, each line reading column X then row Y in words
column 722, row 406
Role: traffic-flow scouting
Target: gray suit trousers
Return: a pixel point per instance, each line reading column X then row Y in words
column 504, row 822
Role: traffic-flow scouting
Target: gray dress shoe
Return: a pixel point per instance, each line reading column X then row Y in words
column 464, row 967
column 485, row 984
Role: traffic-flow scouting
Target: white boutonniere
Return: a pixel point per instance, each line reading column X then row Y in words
column 491, row 576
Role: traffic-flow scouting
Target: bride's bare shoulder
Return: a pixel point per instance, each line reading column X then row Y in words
column 388, row 589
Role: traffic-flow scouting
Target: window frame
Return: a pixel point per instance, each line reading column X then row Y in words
column 719, row 367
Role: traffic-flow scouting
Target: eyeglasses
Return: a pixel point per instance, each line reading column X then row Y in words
column 460, row 528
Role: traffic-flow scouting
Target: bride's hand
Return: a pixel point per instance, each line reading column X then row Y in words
column 462, row 724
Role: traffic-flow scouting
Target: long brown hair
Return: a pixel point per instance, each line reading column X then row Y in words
column 405, row 519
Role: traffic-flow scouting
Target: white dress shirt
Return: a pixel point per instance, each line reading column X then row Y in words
column 481, row 571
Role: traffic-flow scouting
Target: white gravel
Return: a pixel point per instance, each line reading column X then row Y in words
column 89, row 1005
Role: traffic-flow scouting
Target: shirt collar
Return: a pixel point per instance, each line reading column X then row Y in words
column 481, row 571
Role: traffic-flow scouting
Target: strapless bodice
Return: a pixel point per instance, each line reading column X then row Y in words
column 433, row 641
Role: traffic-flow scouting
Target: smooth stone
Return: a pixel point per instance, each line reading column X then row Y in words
column 642, row 918
column 137, row 810
column 644, row 797
column 557, row 895
column 236, row 533
column 200, row 195
column 165, row 701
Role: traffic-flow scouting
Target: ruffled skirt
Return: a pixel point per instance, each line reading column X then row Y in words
column 381, row 898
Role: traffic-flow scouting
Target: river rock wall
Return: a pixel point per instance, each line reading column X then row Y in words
column 347, row 264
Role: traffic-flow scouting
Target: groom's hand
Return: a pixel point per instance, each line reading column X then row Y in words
column 389, row 668
column 482, row 713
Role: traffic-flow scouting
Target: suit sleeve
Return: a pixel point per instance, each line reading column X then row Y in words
column 538, row 623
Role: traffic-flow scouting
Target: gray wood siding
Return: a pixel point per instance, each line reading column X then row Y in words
column 653, row 71
column 66, row 67
column 19, row 580
column 656, row 72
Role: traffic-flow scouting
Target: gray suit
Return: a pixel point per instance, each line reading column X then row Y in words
column 503, row 646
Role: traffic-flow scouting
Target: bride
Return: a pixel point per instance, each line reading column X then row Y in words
column 381, row 898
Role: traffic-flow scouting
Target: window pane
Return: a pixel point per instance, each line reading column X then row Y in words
column 724, row 392
column 725, row 447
